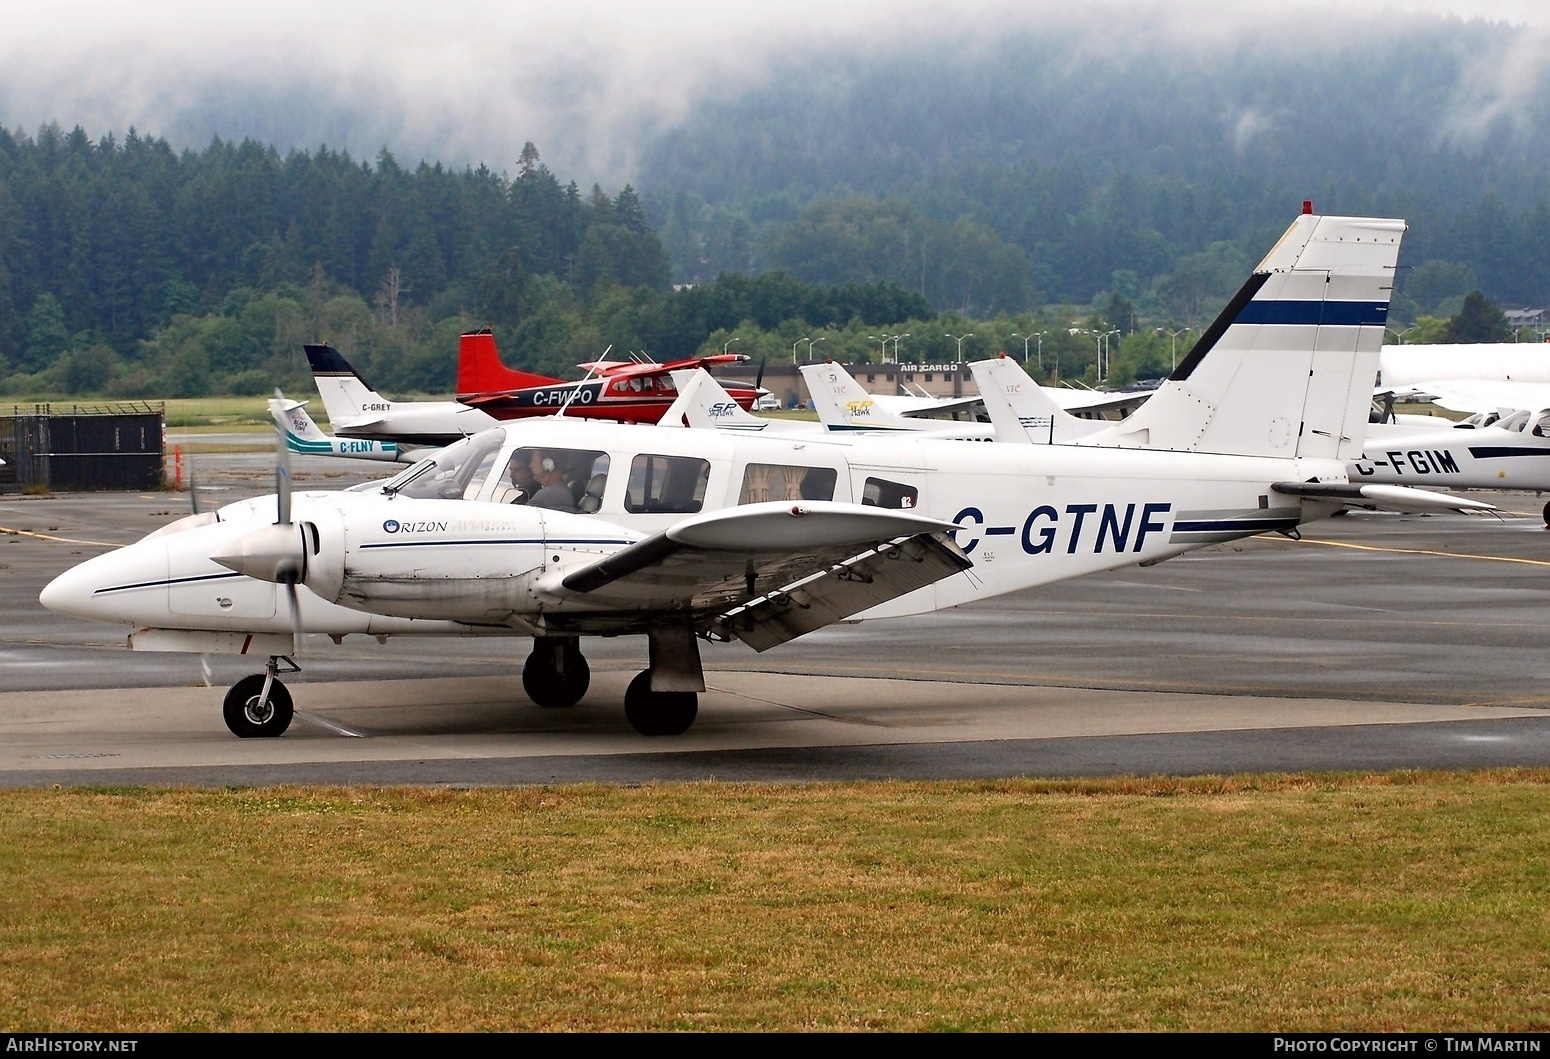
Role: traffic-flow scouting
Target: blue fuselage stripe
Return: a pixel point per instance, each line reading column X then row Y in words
column 540, row 541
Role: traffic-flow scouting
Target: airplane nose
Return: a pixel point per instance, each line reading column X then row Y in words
column 70, row 592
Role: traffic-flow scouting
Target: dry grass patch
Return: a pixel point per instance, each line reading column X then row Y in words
column 1378, row 902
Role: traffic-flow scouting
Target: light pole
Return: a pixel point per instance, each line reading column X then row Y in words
column 1104, row 374
column 810, row 343
column 1174, row 335
column 727, row 343
column 896, row 345
column 1399, row 336
column 1039, row 335
column 884, row 340
column 960, row 339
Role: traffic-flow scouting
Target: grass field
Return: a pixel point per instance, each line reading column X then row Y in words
column 1396, row 902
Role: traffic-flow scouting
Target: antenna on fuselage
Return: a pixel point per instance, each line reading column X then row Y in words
column 577, row 389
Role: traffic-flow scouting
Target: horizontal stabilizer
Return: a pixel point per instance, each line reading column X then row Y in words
column 1382, row 497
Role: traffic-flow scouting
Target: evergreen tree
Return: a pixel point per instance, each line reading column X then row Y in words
column 1479, row 321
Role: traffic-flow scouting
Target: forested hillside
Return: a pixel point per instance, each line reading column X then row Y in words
column 1049, row 168
column 128, row 268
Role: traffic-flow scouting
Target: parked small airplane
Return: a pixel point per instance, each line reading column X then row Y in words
column 843, row 404
column 303, row 435
column 1509, row 452
column 629, row 391
column 357, row 411
column 490, row 393
column 560, row 528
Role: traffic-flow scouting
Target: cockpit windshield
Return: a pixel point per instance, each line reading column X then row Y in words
column 457, row 472
column 1516, row 421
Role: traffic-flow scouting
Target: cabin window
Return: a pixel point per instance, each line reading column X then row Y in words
column 880, row 492
column 558, row 479
column 773, row 481
column 666, row 484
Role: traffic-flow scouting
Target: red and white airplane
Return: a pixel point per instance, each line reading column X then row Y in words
column 628, row 391
column 488, row 393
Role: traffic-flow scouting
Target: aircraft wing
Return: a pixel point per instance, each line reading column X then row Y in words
column 629, row 368
column 345, row 427
column 1476, row 395
column 1382, row 497
column 916, row 408
column 1078, row 401
column 768, row 573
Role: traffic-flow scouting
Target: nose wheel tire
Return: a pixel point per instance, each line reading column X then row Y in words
column 659, row 712
column 249, row 717
column 548, row 686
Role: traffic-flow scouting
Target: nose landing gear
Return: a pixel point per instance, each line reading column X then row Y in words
column 258, row 706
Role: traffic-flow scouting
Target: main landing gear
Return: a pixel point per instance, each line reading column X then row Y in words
column 259, row 707
column 662, row 700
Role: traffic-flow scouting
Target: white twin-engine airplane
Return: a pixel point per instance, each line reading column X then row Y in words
column 556, row 529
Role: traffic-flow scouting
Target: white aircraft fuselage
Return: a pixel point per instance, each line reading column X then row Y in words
column 1513, row 453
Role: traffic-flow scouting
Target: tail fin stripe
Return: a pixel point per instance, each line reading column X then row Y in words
column 1329, row 314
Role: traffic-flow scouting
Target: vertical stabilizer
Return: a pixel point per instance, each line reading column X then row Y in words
column 1287, row 368
column 346, row 397
column 480, row 371
column 1019, row 409
column 703, row 403
column 843, row 404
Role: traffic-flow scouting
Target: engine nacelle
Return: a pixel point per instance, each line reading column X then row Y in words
column 454, row 560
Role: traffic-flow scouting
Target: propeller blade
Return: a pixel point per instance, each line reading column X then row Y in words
column 193, row 486
column 295, row 606
column 758, row 379
column 282, row 469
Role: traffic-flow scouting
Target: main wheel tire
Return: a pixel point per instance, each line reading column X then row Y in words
column 659, row 712
column 553, row 690
column 1547, row 516
column 247, row 718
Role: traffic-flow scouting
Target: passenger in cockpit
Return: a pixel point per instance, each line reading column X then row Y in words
column 553, row 493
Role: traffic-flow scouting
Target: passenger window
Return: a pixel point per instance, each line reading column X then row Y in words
column 666, row 484
column 770, row 481
column 879, row 492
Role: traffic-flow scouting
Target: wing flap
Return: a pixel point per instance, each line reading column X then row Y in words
column 829, row 560
column 847, row 588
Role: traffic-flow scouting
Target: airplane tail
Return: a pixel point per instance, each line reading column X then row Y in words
column 479, row 368
column 1020, row 411
column 842, row 403
column 1287, row 368
column 302, row 434
column 346, row 397
column 703, row 402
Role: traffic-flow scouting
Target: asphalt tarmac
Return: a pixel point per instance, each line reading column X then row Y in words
column 1376, row 642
